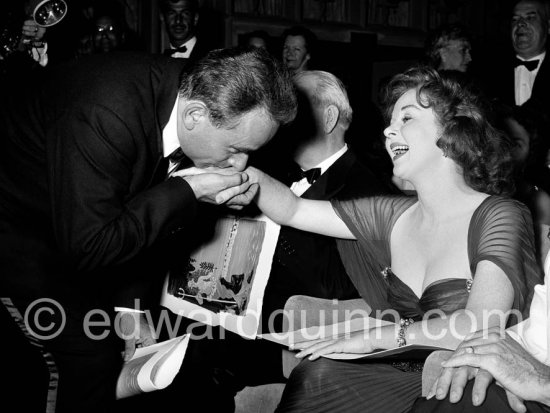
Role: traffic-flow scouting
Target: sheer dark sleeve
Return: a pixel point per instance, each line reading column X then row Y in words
column 371, row 220
column 502, row 232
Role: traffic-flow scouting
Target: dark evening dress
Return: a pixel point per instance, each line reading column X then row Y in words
column 500, row 231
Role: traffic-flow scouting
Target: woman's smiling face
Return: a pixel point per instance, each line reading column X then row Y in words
column 411, row 136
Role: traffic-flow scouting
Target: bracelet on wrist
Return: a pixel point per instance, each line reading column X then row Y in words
column 404, row 323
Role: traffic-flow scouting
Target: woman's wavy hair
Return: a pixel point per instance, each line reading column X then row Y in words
column 467, row 136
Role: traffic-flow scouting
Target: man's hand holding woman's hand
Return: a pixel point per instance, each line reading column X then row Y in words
column 220, row 185
column 246, row 197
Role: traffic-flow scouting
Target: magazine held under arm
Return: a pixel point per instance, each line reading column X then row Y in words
column 152, row 368
column 224, row 278
column 340, row 330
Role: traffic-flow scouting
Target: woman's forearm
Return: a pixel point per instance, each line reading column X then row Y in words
column 274, row 198
column 280, row 204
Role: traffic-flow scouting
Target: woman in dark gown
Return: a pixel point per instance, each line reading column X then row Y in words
column 460, row 247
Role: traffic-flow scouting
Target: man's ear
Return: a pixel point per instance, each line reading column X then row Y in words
column 332, row 115
column 194, row 112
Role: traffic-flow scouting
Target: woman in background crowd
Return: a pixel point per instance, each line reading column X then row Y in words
column 448, row 48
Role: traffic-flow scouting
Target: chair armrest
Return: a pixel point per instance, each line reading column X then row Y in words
column 303, row 311
column 289, row 362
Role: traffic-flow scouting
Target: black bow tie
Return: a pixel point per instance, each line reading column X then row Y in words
column 170, row 52
column 311, row 175
column 529, row 64
column 177, row 156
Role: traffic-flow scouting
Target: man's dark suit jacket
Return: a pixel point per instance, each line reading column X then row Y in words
column 502, row 86
column 82, row 178
column 309, row 264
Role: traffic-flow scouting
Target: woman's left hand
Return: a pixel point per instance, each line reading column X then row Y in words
column 356, row 342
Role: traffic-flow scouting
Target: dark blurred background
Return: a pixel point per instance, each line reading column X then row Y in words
column 362, row 41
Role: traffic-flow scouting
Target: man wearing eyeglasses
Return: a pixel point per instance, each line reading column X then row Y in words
column 108, row 34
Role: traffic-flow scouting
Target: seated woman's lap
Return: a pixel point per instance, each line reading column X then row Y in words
column 349, row 386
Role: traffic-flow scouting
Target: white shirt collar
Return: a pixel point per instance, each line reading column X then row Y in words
column 189, row 44
column 327, row 163
column 170, row 141
column 539, row 57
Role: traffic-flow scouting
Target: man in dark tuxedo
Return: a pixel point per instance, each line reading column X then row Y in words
column 528, row 79
column 181, row 18
column 89, row 188
column 525, row 78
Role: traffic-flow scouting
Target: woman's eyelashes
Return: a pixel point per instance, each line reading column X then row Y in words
column 405, row 118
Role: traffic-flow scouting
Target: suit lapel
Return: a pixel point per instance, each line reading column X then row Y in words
column 166, row 80
column 159, row 171
column 540, row 87
column 502, row 84
column 332, row 181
